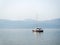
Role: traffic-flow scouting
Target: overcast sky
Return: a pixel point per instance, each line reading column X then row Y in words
column 29, row 9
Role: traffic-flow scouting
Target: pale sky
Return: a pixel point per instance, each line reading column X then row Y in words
column 29, row 9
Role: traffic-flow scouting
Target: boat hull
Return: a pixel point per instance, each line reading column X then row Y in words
column 37, row 30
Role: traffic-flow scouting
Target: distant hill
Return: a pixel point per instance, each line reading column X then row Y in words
column 55, row 23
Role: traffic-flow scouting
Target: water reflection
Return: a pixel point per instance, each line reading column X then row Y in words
column 27, row 37
column 37, row 37
column 37, row 34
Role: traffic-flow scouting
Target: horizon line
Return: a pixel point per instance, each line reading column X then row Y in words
column 29, row 19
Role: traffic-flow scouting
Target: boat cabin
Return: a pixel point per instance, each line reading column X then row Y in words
column 38, row 28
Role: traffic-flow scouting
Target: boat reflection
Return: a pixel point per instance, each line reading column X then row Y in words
column 37, row 34
column 37, row 37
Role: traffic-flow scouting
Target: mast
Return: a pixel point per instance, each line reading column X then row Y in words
column 37, row 20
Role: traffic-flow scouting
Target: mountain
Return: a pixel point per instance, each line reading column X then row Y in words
column 55, row 23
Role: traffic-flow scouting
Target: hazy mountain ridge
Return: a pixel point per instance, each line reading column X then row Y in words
column 55, row 23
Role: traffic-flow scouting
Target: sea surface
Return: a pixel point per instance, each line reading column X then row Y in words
column 27, row 37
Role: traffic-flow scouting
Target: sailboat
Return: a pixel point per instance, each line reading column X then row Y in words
column 37, row 29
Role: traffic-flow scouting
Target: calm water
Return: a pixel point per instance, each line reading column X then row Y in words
column 27, row 37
